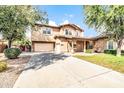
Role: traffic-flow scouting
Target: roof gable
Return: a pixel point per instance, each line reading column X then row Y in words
column 60, row 26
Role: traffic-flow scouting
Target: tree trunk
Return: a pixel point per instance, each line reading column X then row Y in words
column 119, row 44
column 9, row 43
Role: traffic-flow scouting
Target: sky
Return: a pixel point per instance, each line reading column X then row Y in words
column 63, row 14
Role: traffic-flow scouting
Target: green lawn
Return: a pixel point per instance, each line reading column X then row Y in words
column 106, row 60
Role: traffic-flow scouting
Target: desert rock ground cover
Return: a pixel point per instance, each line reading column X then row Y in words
column 10, row 75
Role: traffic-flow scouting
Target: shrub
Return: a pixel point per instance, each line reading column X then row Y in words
column 89, row 51
column 122, row 51
column 12, row 53
column 112, row 51
column 3, row 66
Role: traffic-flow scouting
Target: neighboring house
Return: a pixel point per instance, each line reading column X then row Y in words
column 66, row 38
column 3, row 45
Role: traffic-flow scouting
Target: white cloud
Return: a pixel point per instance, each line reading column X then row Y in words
column 65, row 22
column 52, row 23
column 78, row 26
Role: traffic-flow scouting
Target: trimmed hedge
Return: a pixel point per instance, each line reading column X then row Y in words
column 89, row 51
column 3, row 66
column 112, row 51
column 12, row 53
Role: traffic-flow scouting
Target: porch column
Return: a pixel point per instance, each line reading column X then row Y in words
column 72, row 49
column 84, row 46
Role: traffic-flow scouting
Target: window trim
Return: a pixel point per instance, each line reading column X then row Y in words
column 77, row 33
column 45, row 29
column 110, row 47
column 69, row 32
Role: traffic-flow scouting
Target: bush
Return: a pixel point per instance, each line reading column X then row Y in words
column 122, row 51
column 3, row 66
column 112, row 51
column 89, row 51
column 12, row 53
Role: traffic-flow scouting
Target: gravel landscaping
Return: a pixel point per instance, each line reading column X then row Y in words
column 15, row 67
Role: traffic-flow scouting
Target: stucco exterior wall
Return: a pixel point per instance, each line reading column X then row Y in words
column 79, row 46
column 64, row 46
column 100, row 45
column 73, row 30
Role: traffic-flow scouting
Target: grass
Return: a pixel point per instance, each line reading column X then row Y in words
column 106, row 60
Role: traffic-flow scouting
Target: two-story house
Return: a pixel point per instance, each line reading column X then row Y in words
column 67, row 38
column 63, row 38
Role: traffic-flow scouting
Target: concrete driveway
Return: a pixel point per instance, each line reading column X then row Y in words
column 61, row 71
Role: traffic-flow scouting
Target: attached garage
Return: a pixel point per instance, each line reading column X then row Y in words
column 43, row 46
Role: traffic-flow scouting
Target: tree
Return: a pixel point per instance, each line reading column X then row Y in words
column 108, row 20
column 15, row 19
column 23, row 42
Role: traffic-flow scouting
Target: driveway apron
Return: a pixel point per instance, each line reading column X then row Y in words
column 49, row 70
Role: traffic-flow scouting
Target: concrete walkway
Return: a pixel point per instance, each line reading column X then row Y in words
column 69, row 72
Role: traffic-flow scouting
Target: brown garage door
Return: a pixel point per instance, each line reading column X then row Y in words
column 43, row 46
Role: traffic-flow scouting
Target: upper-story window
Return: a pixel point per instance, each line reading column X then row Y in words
column 77, row 33
column 68, row 32
column 47, row 31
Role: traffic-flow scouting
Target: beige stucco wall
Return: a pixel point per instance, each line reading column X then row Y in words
column 100, row 45
column 115, row 44
column 73, row 30
column 64, row 45
column 61, row 44
column 79, row 46
column 55, row 31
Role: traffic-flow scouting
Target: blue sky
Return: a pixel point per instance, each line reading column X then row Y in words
column 60, row 14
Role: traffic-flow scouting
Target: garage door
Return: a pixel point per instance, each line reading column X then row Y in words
column 43, row 46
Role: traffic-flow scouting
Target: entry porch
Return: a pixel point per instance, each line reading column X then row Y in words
column 73, row 44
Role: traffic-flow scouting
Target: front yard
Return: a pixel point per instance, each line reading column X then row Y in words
column 14, row 69
column 106, row 60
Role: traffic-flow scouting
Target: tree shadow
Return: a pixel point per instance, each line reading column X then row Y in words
column 40, row 60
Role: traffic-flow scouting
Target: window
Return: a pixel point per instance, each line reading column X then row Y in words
column 68, row 32
column 47, row 31
column 110, row 45
column 89, row 45
column 77, row 33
